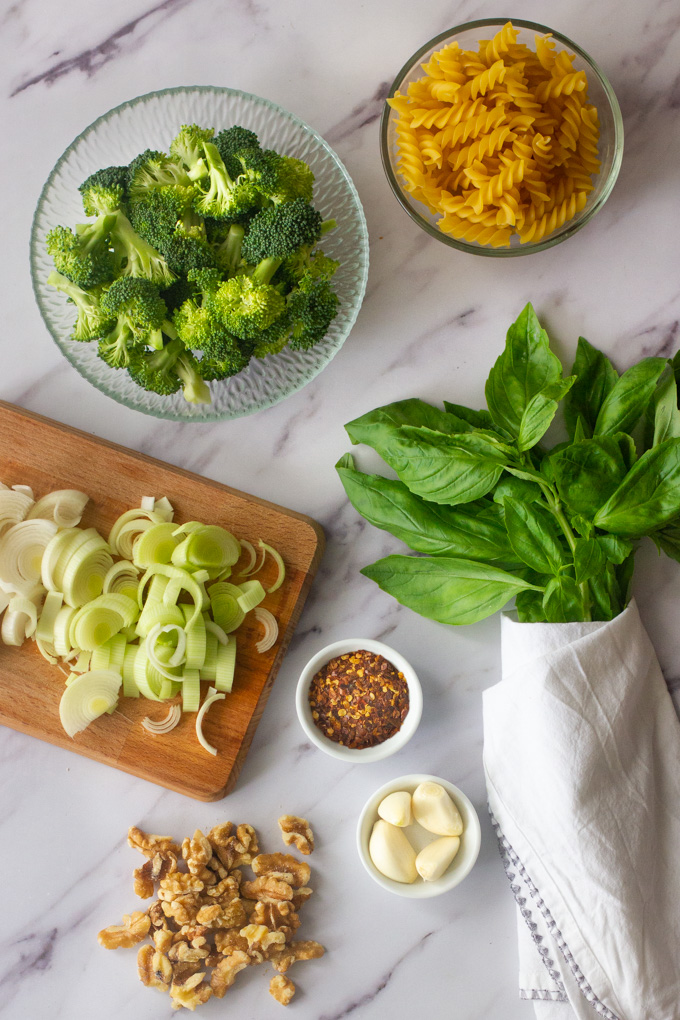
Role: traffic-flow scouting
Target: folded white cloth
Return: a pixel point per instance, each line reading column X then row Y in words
column 582, row 762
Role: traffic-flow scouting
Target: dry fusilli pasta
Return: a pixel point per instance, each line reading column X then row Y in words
column 500, row 143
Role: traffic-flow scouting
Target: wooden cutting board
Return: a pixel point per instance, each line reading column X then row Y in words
column 47, row 455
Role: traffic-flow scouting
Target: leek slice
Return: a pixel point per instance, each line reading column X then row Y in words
column 271, row 629
column 82, row 663
column 83, row 578
column 100, row 619
column 165, row 725
column 209, row 668
column 191, row 690
column 252, row 593
column 13, row 508
column 58, row 552
column 225, row 666
column 130, row 688
column 26, row 489
column 54, row 600
column 140, row 675
column 101, row 657
column 122, row 578
column 148, row 503
column 212, row 628
column 188, row 527
column 86, row 698
column 154, row 659
column 212, row 697
column 47, row 651
column 19, row 621
column 195, row 641
column 116, row 646
column 164, row 508
column 121, row 537
column 155, row 545
column 252, row 557
column 62, row 629
column 226, row 611
column 278, row 558
column 21, row 552
column 63, row 506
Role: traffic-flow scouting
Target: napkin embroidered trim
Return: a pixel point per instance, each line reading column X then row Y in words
column 511, row 860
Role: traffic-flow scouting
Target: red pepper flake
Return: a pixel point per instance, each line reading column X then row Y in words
column 359, row 699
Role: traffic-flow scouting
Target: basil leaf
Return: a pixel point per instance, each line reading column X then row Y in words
column 624, row 405
column 533, row 536
column 517, row 488
column 540, row 412
column 525, row 473
column 445, row 469
column 425, row 527
column 649, row 495
column 529, row 606
column 562, row 602
column 582, row 525
column 377, row 427
column 595, row 378
column 669, row 540
column 624, row 577
column 526, row 368
column 588, row 473
column 601, row 607
column 445, row 588
column 478, row 419
column 589, row 559
column 665, row 407
column 616, row 549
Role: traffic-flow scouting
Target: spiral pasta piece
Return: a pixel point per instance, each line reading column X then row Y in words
column 500, row 143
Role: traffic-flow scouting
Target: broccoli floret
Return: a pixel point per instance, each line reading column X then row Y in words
column 138, row 312
column 187, row 148
column 311, row 307
column 168, row 369
column 232, row 141
column 137, row 257
column 177, row 293
column 279, row 178
column 215, row 368
column 247, row 307
column 104, row 191
column 84, row 256
column 155, row 370
column 225, row 197
column 201, row 328
column 279, row 231
column 91, row 322
column 304, row 262
column 152, row 169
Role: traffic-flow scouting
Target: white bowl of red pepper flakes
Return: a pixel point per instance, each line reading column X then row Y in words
column 359, row 700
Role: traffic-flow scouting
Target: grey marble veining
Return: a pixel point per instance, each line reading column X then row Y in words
column 432, row 323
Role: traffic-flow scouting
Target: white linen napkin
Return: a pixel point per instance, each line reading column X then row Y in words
column 582, row 762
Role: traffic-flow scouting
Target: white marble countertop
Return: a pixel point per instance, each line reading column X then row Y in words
column 432, row 323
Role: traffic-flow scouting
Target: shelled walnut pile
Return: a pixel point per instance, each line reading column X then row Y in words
column 208, row 916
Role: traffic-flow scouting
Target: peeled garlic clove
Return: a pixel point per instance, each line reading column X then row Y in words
column 434, row 859
column 435, row 811
column 391, row 852
column 395, row 808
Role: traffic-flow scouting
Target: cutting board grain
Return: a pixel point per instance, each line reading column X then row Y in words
column 47, row 455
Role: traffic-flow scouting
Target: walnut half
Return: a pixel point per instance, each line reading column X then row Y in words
column 297, row 831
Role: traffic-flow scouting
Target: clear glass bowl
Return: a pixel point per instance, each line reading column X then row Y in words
column 151, row 121
column 600, row 94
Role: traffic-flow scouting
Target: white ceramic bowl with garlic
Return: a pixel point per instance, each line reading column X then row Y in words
column 405, row 850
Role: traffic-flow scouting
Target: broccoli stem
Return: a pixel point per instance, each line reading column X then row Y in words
column 328, row 225
column 194, row 388
column 231, row 248
column 265, row 270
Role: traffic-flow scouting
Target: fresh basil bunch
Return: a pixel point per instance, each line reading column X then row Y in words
column 500, row 516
